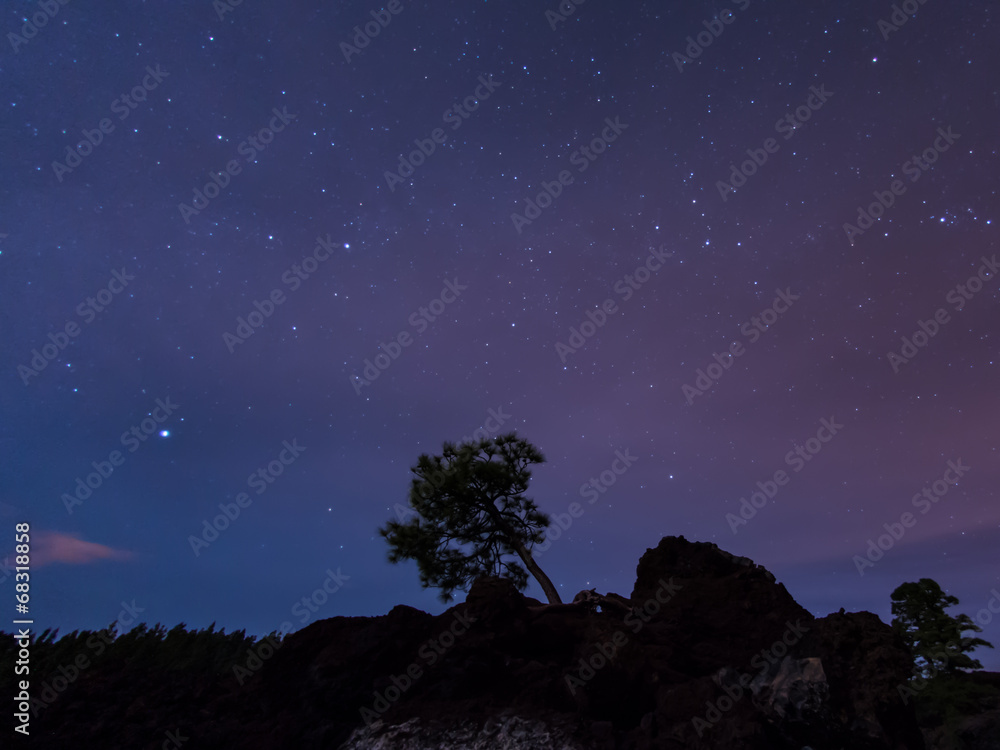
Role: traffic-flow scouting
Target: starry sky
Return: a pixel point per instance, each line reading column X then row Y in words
column 254, row 257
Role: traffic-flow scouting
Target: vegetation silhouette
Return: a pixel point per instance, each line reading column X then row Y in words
column 932, row 635
column 472, row 516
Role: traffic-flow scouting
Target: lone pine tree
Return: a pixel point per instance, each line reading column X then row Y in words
column 472, row 516
column 934, row 637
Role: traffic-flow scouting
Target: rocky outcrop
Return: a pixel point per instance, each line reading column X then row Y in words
column 708, row 652
column 962, row 712
column 501, row 733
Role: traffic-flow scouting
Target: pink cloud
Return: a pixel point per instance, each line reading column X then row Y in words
column 49, row 547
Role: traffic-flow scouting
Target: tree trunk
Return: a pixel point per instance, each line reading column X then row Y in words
column 539, row 574
column 525, row 555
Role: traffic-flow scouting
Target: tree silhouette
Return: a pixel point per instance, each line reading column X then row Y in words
column 472, row 516
column 934, row 636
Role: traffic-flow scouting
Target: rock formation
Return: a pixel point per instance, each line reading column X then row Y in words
column 708, row 652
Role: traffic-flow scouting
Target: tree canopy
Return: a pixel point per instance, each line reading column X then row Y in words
column 934, row 636
column 472, row 516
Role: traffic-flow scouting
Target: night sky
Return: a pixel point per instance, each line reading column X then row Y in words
column 218, row 223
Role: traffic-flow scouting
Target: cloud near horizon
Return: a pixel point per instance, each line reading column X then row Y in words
column 50, row 547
